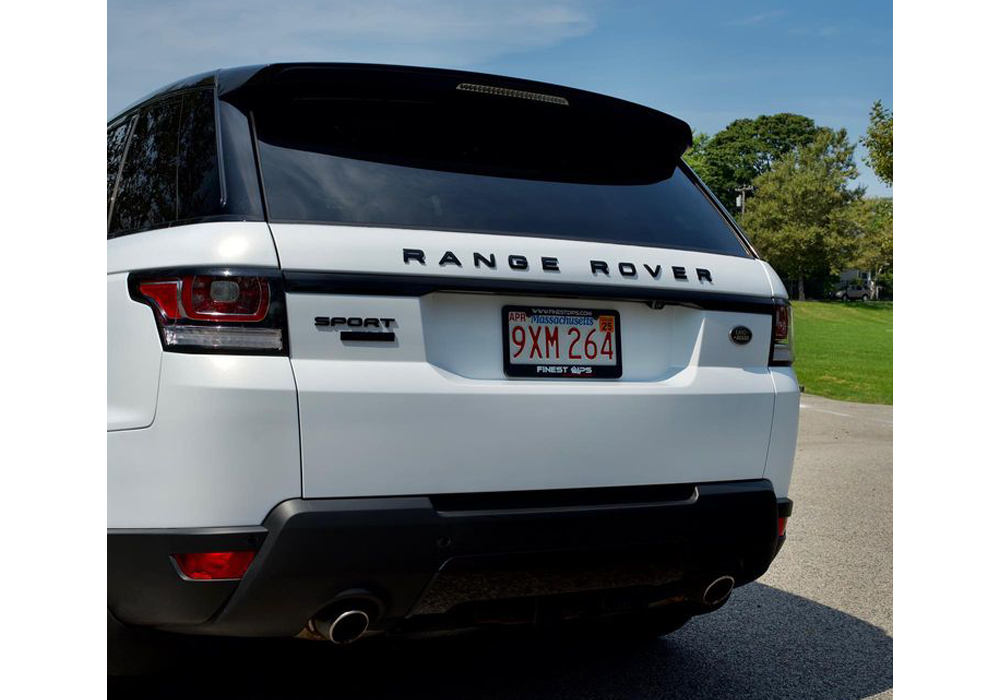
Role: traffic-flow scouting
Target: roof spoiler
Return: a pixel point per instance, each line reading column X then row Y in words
column 652, row 140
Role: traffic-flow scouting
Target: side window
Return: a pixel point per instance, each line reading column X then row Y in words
column 116, row 149
column 147, row 192
column 198, row 191
column 171, row 170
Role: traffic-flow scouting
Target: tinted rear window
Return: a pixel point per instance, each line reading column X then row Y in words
column 498, row 165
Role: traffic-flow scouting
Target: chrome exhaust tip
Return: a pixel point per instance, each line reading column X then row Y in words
column 718, row 590
column 343, row 628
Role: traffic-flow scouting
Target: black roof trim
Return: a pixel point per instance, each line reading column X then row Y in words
column 201, row 80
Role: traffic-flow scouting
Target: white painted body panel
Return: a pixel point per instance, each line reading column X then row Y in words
column 223, row 449
column 785, row 425
column 784, row 429
column 238, row 243
column 777, row 286
column 194, row 440
column 133, row 359
column 202, row 440
column 434, row 413
column 405, row 428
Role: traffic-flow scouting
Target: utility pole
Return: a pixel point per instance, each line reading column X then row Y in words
column 741, row 199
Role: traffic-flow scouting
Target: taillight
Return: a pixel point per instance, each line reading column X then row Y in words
column 212, row 298
column 214, row 565
column 782, row 525
column 224, row 311
column 782, row 347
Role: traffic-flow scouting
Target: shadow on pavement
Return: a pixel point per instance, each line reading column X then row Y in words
column 765, row 643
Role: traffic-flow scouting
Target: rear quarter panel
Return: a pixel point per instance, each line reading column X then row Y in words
column 193, row 440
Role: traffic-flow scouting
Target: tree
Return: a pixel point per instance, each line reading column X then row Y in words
column 748, row 148
column 695, row 155
column 872, row 219
column 802, row 219
column 878, row 141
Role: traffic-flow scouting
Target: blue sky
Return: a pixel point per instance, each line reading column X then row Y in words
column 707, row 63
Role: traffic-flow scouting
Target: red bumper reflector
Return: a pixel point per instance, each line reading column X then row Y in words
column 214, row 565
column 782, row 523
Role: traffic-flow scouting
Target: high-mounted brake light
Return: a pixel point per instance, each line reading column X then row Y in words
column 224, row 311
column 782, row 348
column 214, row 565
column 508, row 92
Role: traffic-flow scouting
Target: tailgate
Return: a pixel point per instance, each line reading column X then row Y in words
column 433, row 411
column 411, row 207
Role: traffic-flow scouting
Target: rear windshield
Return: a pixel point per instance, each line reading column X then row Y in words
column 488, row 164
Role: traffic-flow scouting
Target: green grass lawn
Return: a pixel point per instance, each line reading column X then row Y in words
column 844, row 350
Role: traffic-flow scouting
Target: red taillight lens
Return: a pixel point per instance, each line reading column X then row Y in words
column 224, row 311
column 782, row 348
column 214, row 565
column 166, row 294
column 210, row 298
column 782, row 524
column 781, row 314
column 213, row 298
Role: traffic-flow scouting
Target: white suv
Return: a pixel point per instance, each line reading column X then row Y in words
column 394, row 349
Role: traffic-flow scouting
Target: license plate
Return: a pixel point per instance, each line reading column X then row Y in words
column 541, row 341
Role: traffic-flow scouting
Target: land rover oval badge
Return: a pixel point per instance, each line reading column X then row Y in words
column 740, row 335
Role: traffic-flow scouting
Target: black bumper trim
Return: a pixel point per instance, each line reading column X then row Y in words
column 416, row 558
column 144, row 586
column 784, row 507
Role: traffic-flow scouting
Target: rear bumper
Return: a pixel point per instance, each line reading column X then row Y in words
column 428, row 557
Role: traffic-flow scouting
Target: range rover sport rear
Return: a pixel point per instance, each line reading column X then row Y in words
column 393, row 349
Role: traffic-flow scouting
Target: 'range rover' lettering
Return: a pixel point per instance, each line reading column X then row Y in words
column 625, row 268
